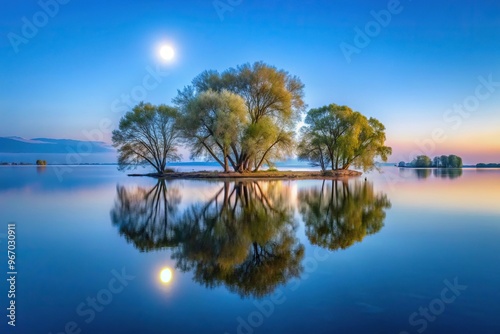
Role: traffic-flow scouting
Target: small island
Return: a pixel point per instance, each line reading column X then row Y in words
column 271, row 175
column 245, row 118
column 488, row 165
column 423, row 161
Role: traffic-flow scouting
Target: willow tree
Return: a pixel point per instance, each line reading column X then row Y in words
column 273, row 104
column 212, row 122
column 337, row 137
column 147, row 135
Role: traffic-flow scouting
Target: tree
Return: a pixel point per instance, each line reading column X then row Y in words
column 338, row 137
column 444, row 161
column 147, row 135
column 310, row 149
column 402, row 164
column 422, row 161
column 273, row 103
column 436, row 162
column 41, row 163
column 454, row 161
column 212, row 123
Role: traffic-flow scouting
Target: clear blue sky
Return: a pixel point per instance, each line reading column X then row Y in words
column 65, row 77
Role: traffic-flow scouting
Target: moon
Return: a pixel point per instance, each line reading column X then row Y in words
column 167, row 52
column 166, row 275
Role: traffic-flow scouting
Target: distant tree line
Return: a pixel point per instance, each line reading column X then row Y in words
column 444, row 161
column 490, row 165
column 246, row 117
column 15, row 163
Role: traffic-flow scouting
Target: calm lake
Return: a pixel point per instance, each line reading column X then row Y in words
column 406, row 251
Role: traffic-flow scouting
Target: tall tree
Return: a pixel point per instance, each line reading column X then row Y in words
column 454, row 161
column 444, row 161
column 338, row 137
column 147, row 135
column 213, row 123
column 273, row 101
column 436, row 162
column 422, row 161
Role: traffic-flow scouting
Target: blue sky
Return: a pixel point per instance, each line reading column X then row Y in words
column 72, row 72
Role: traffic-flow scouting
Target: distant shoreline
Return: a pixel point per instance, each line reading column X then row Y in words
column 278, row 175
column 445, row 168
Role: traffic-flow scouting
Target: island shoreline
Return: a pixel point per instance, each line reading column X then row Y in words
column 264, row 175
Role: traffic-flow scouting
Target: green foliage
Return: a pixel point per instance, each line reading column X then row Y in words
column 41, row 163
column 436, row 162
column 422, row 161
column 444, row 161
column 212, row 123
column 490, row 165
column 454, row 161
column 243, row 117
column 147, row 135
column 338, row 137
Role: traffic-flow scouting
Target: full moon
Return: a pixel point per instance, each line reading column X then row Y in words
column 167, row 52
column 166, row 275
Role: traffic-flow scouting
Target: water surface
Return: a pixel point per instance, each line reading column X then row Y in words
column 404, row 251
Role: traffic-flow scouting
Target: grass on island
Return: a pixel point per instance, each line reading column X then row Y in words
column 267, row 174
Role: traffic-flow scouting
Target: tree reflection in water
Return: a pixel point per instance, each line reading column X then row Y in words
column 450, row 173
column 144, row 216
column 340, row 213
column 242, row 237
column 422, row 173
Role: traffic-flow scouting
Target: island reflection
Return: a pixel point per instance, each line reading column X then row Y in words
column 339, row 214
column 424, row 173
column 144, row 216
column 243, row 235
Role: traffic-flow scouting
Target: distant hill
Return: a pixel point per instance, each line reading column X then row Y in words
column 48, row 145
